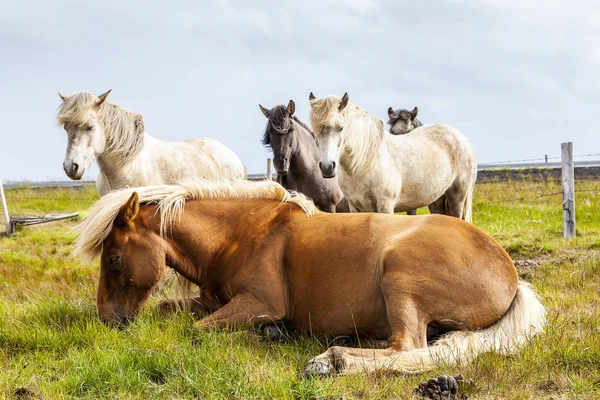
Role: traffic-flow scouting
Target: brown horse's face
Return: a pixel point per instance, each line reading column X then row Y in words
column 282, row 144
column 132, row 263
column 281, row 137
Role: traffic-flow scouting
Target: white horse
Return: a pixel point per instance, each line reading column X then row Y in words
column 433, row 165
column 127, row 155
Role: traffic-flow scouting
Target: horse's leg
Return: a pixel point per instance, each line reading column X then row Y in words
column 409, row 331
column 328, row 207
column 242, row 309
column 198, row 306
column 343, row 206
column 384, row 207
column 438, row 206
column 456, row 201
column 411, row 212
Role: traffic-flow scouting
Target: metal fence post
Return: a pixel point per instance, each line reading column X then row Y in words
column 568, row 183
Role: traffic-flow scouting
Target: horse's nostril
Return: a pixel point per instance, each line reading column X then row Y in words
column 320, row 165
column 333, row 165
column 75, row 168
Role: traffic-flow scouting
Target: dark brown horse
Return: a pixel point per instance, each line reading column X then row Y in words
column 296, row 159
column 403, row 121
column 261, row 256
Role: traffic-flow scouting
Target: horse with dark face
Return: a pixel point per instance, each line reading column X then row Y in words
column 261, row 256
column 403, row 121
column 296, row 158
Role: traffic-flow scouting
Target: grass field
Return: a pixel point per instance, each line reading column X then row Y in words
column 52, row 345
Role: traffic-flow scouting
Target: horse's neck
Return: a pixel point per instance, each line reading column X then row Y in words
column 304, row 159
column 355, row 155
column 220, row 227
column 119, row 172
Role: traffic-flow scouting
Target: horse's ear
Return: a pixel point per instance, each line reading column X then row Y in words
column 390, row 112
column 264, row 111
column 344, row 101
column 129, row 210
column 311, row 96
column 102, row 98
column 414, row 112
column 291, row 107
column 62, row 96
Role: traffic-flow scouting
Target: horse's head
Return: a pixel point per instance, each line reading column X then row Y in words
column 279, row 135
column 78, row 115
column 328, row 123
column 132, row 263
column 402, row 121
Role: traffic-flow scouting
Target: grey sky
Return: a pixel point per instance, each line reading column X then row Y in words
column 516, row 77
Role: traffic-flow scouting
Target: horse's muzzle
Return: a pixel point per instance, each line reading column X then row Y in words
column 327, row 169
column 72, row 170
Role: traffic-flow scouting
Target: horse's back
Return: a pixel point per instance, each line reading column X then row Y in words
column 358, row 253
column 226, row 162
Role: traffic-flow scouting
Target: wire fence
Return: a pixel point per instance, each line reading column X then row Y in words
column 533, row 160
column 533, row 198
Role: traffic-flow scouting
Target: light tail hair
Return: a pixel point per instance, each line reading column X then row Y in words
column 525, row 318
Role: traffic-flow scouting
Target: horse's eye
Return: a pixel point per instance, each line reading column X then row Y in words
column 113, row 261
column 89, row 128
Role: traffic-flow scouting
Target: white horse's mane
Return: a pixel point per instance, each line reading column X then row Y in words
column 170, row 202
column 124, row 129
column 362, row 132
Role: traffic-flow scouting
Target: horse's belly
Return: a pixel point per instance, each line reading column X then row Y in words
column 347, row 314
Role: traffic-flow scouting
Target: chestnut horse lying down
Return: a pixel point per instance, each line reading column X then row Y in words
column 260, row 255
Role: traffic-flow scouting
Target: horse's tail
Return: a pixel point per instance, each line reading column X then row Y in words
column 468, row 209
column 525, row 318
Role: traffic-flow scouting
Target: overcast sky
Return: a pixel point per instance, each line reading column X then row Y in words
column 517, row 77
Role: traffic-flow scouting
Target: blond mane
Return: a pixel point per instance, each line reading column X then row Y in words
column 362, row 133
column 124, row 129
column 170, row 202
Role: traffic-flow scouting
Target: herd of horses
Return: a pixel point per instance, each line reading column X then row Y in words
column 320, row 249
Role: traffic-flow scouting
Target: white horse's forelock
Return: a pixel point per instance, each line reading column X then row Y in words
column 124, row 129
column 362, row 133
column 170, row 201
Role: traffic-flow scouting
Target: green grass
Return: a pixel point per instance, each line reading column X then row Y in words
column 52, row 344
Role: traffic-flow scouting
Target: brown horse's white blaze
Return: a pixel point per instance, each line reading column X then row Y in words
column 259, row 258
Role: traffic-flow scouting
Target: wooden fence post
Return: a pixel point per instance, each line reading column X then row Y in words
column 269, row 169
column 568, row 183
column 5, row 209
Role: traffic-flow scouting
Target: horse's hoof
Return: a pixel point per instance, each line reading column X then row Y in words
column 316, row 368
column 273, row 333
